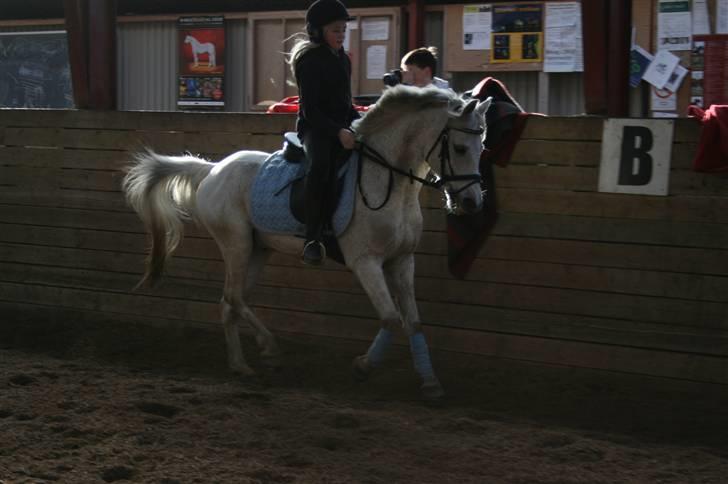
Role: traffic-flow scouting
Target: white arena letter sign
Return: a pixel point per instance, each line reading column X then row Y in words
column 636, row 156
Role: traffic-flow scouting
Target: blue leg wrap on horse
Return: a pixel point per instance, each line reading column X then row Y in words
column 375, row 355
column 421, row 356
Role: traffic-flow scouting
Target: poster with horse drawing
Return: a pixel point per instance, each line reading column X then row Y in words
column 201, row 62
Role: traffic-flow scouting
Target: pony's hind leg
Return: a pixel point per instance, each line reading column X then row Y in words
column 269, row 351
column 243, row 264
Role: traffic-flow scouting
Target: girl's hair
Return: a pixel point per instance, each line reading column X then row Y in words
column 301, row 45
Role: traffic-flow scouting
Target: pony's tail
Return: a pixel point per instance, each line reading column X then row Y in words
column 162, row 191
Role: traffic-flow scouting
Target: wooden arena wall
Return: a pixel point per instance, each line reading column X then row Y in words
column 570, row 276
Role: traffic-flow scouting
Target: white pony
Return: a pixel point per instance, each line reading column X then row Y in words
column 202, row 48
column 409, row 131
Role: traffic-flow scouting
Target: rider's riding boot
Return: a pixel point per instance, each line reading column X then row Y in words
column 314, row 253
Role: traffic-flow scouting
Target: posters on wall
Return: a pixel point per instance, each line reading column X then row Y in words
column 477, row 21
column 674, row 25
column 721, row 17
column 376, row 28
column 697, row 66
column 34, row 70
column 201, row 62
column 376, row 61
column 639, row 61
column 701, row 22
column 563, row 51
column 350, row 25
column 661, row 68
column 517, row 33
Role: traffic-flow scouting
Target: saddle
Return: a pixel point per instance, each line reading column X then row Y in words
column 278, row 195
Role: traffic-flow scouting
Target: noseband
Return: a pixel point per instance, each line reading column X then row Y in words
column 444, row 140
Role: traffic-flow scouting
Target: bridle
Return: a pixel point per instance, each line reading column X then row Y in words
column 443, row 139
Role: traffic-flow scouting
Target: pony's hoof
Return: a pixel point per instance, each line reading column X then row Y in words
column 244, row 372
column 360, row 369
column 432, row 392
column 271, row 362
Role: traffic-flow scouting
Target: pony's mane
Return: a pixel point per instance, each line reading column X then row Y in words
column 399, row 101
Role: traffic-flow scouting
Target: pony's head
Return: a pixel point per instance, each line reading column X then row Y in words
column 456, row 156
column 188, row 39
column 436, row 126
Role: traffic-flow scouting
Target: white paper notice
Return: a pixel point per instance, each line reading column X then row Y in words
column 674, row 25
column 477, row 21
column 663, row 100
column 376, row 61
column 350, row 25
column 660, row 69
column 676, row 78
column 721, row 17
column 701, row 24
column 563, row 44
column 375, row 28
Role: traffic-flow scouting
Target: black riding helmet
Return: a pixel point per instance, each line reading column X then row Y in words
column 323, row 12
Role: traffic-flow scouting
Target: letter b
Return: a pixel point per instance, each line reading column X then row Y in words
column 635, row 162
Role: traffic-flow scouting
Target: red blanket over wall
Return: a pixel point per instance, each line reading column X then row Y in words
column 712, row 155
column 505, row 121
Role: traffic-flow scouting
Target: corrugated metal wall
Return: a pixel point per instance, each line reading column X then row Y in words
column 237, row 45
column 148, row 61
column 566, row 90
column 522, row 85
column 566, row 93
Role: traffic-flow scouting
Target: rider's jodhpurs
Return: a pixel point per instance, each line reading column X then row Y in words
column 322, row 151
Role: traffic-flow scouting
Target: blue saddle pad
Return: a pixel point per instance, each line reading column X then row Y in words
column 270, row 196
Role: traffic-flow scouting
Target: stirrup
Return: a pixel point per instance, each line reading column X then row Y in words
column 317, row 259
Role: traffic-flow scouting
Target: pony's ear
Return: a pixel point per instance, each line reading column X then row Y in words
column 469, row 107
column 483, row 106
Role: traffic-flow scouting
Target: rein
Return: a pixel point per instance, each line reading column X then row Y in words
column 444, row 155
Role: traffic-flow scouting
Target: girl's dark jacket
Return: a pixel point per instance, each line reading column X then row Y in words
column 324, row 87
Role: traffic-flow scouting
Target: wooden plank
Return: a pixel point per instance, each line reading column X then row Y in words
column 124, row 140
column 454, row 307
column 567, row 227
column 700, row 209
column 565, row 179
column 578, row 128
column 499, row 247
column 484, row 318
column 537, row 350
column 151, row 121
column 682, row 235
column 431, row 270
column 687, row 130
column 556, row 152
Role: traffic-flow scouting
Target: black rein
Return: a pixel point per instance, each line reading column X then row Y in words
column 444, row 140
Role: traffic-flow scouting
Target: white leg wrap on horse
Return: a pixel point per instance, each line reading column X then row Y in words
column 421, row 356
column 375, row 355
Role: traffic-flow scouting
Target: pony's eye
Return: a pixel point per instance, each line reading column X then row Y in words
column 460, row 150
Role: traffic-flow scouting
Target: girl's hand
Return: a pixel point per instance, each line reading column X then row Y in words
column 347, row 138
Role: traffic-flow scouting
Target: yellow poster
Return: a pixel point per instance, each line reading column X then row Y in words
column 517, row 34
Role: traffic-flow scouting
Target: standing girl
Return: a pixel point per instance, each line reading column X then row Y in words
column 323, row 75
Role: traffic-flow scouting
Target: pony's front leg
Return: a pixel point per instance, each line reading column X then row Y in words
column 401, row 278
column 371, row 276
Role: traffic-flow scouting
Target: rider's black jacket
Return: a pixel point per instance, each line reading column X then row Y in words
column 324, row 87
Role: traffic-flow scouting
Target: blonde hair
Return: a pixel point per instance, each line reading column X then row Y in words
column 302, row 45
